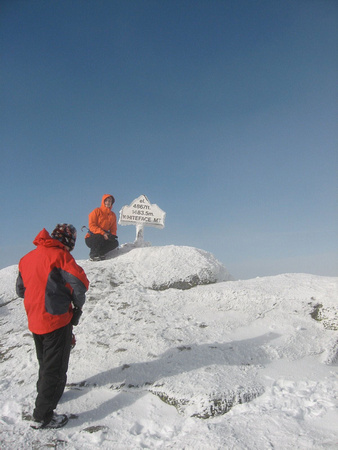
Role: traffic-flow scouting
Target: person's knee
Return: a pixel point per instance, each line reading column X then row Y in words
column 113, row 243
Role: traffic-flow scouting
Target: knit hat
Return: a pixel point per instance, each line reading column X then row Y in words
column 66, row 234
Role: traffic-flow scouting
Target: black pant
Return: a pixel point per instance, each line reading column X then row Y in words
column 99, row 246
column 52, row 351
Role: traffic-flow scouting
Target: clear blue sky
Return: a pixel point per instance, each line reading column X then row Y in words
column 223, row 113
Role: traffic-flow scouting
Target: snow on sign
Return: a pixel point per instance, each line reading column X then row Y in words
column 142, row 212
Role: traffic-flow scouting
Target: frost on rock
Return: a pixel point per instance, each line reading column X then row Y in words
column 161, row 268
column 7, row 289
column 326, row 315
column 331, row 353
column 210, row 405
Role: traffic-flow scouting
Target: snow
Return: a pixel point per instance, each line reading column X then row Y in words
column 172, row 352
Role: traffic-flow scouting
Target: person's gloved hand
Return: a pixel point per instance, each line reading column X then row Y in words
column 77, row 312
column 73, row 340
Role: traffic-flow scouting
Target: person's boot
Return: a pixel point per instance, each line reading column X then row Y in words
column 57, row 421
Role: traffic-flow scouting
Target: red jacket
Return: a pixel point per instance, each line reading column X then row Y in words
column 102, row 219
column 50, row 281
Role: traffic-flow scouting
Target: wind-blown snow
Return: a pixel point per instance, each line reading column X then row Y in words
column 215, row 364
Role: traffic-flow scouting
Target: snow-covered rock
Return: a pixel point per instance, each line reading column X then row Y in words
column 8, row 277
column 161, row 268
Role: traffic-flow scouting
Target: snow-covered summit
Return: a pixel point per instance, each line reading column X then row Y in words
column 160, row 268
column 224, row 364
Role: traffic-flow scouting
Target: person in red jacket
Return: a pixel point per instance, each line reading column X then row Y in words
column 53, row 287
column 101, row 237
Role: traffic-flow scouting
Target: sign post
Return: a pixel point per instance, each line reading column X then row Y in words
column 141, row 213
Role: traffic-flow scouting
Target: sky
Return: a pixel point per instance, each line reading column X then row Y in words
column 223, row 113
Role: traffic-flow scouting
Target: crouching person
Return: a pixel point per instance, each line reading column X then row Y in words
column 101, row 238
column 53, row 287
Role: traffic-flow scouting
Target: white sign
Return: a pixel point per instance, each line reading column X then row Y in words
column 142, row 213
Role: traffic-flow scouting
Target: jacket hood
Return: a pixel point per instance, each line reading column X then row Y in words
column 44, row 238
column 104, row 197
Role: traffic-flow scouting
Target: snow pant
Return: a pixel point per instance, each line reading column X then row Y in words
column 52, row 351
column 99, row 246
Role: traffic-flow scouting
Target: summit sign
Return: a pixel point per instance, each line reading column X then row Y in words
column 142, row 213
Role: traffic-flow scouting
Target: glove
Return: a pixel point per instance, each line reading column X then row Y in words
column 77, row 312
column 73, row 341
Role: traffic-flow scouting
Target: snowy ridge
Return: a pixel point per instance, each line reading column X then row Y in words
column 216, row 364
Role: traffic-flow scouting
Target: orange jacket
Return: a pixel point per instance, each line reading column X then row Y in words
column 102, row 219
column 50, row 281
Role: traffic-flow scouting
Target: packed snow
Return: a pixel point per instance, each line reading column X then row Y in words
column 172, row 352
